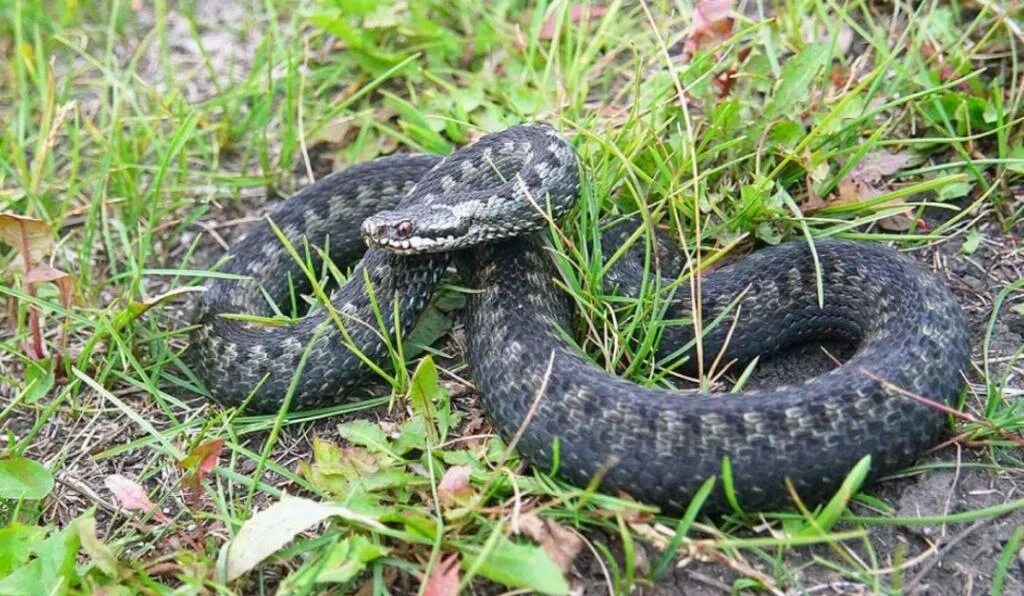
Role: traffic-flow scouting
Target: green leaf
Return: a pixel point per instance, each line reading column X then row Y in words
column 53, row 569
column 348, row 559
column 971, row 242
column 22, row 478
column 101, row 554
column 518, row 566
column 787, row 133
column 267, row 531
column 355, row 7
column 425, row 392
column 16, row 544
column 954, row 191
column 434, row 323
column 1015, row 163
column 835, row 507
column 797, row 75
column 39, row 380
column 412, row 435
column 365, row 433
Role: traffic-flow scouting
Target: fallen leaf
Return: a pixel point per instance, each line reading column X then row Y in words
column 454, row 486
column 131, row 496
column 865, row 180
column 900, row 222
column 877, row 165
column 712, row 21
column 577, row 13
column 41, row 272
column 444, row 578
column 559, row 542
column 269, row 530
column 32, row 238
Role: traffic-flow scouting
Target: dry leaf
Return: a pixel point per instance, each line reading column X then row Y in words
column 577, row 13
column 444, row 578
column 865, row 180
column 28, row 236
column 897, row 223
column 131, row 496
column 41, row 272
column 712, row 21
column 876, row 165
column 559, row 542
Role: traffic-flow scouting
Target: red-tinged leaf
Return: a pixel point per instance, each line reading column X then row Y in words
column 454, row 486
column 32, row 238
column 203, row 458
column 444, row 578
column 131, row 496
column 577, row 13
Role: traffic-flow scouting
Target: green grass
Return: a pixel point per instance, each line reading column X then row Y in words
column 138, row 159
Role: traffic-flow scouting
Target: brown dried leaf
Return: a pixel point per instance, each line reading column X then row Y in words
column 577, row 13
column 30, row 237
column 896, row 223
column 851, row 191
column 865, row 180
column 877, row 165
column 560, row 543
column 712, row 22
column 41, row 272
column 444, row 578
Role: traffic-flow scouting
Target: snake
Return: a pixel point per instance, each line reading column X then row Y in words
column 488, row 208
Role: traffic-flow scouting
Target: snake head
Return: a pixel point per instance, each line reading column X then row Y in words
column 433, row 228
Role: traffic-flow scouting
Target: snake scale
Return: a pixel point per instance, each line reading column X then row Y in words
column 482, row 203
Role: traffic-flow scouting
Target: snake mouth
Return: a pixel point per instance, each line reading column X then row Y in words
column 412, row 245
column 411, row 232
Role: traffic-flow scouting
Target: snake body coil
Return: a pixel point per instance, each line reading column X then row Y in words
column 656, row 445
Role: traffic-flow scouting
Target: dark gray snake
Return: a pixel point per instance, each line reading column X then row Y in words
column 654, row 444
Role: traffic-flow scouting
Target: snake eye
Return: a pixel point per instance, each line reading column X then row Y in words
column 404, row 229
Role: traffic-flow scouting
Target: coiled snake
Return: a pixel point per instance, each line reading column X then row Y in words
column 653, row 444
